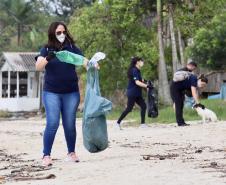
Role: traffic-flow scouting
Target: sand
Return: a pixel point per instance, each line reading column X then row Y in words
column 159, row 155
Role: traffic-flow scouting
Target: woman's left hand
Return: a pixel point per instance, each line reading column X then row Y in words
column 97, row 66
column 86, row 62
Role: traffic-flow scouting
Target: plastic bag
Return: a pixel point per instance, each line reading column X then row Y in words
column 70, row 58
column 96, row 57
column 152, row 102
column 78, row 60
column 94, row 127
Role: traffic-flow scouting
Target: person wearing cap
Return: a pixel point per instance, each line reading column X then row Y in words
column 178, row 89
column 134, row 91
column 191, row 66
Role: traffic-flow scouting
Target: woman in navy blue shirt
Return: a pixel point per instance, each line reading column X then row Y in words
column 178, row 89
column 134, row 91
column 60, row 91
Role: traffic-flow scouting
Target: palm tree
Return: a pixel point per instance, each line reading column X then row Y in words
column 176, row 64
column 162, row 73
column 21, row 13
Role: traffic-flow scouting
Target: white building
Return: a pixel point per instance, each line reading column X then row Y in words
column 20, row 83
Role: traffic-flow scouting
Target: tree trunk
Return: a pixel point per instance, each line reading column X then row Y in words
column 173, row 40
column 163, row 86
column 18, row 33
column 181, row 48
column 166, row 34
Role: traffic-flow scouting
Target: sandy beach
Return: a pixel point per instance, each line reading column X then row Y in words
column 159, row 155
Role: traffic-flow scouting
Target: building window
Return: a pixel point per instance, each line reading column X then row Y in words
column 12, row 84
column 4, row 84
column 23, row 84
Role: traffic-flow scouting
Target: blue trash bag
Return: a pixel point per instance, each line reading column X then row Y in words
column 223, row 91
column 221, row 95
column 94, row 126
column 189, row 102
column 215, row 96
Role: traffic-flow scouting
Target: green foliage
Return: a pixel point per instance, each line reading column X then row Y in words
column 196, row 14
column 19, row 20
column 121, row 29
column 116, row 28
column 4, row 114
column 209, row 47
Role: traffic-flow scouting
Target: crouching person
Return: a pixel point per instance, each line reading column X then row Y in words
column 177, row 91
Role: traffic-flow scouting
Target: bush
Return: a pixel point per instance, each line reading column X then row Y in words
column 4, row 114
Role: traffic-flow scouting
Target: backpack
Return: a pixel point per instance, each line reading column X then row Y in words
column 181, row 75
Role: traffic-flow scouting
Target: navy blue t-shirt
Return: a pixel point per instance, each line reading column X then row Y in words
column 133, row 89
column 60, row 77
column 186, row 84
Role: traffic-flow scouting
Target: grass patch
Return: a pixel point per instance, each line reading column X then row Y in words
column 4, row 114
column 167, row 115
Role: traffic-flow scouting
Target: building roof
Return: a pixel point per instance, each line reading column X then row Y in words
column 19, row 61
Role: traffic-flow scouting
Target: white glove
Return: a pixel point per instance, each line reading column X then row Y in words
column 96, row 57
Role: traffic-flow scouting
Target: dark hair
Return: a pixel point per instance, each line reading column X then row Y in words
column 52, row 40
column 193, row 64
column 203, row 78
column 133, row 63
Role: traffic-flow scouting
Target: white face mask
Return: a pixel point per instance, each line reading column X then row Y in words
column 61, row 37
column 141, row 64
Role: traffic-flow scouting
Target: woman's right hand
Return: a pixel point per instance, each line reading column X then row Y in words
column 50, row 55
column 41, row 63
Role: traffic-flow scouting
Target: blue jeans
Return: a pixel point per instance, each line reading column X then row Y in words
column 67, row 105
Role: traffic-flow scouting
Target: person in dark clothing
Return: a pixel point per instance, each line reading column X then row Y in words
column 177, row 90
column 134, row 91
column 60, row 92
column 191, row 66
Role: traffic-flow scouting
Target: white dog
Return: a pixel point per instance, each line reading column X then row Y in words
column 206, row 114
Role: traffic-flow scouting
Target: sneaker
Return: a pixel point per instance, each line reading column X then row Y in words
column 72, row 157
column 143, row 125
column 118, row 126
column 184, row 125
column 47, row 161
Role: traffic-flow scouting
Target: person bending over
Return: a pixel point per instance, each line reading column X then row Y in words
column 177, row 91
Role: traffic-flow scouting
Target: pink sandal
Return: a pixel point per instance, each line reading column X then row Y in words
column 47, row 161
column 72, row 157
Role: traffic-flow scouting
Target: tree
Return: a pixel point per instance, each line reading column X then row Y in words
column 118, row 29
column 173, row 39
column 162, row 73
column 209, row 48
column 192, row 14
column 181, row 47
column 19, row 12
column 64, row 9
column 21, row 26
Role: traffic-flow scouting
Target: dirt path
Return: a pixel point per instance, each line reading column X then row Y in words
column 159, row 155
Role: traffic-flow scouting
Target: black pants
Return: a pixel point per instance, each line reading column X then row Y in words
column 178, row 98
column 130, row 104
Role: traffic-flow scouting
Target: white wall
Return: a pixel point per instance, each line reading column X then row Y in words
column 19, row 104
